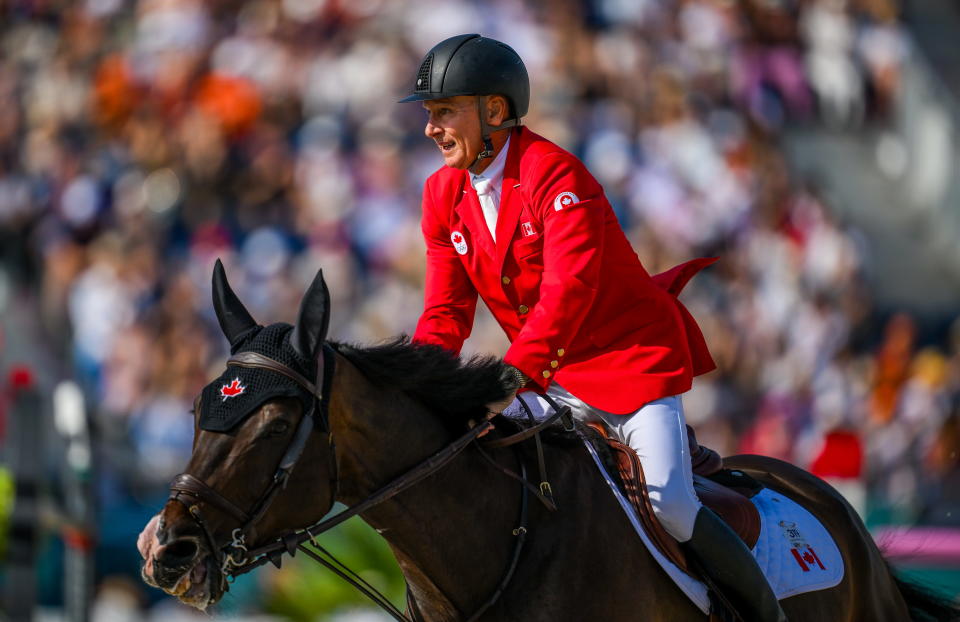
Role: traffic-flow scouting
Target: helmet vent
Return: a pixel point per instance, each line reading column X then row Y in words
column 423, row 76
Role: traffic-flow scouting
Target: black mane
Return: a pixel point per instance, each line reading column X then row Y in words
column 454, row 388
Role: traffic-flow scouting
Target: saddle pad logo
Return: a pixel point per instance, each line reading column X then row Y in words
column 802, row 552
column 232, row 390
column 459, row 242
column 528, row 229
column 564, row 199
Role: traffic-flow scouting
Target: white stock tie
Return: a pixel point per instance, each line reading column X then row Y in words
column 489, row 202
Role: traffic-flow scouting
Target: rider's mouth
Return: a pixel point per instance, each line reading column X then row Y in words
column 446, row 147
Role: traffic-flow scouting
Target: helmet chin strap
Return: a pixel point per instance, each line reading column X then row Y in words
column 485, row 130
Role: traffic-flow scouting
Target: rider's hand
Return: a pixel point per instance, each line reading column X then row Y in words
column 495, row 408
column 519, row 381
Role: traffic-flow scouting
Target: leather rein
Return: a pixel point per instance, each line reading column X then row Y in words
column 236, row 558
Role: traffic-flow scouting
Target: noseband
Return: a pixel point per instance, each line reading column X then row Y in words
column 235, row 558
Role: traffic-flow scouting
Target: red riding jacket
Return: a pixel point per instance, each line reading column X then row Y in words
column 562, row 280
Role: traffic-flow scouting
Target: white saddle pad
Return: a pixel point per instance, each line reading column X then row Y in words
column 795, row 552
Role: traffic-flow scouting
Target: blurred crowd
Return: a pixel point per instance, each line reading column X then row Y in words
column 140, row 140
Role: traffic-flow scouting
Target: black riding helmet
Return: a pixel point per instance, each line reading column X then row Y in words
column 474, row 65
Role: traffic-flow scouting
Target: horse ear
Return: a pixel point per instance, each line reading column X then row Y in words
column 313, row 320
column 235, row 320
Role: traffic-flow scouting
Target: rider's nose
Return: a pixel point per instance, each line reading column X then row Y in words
column 180, row 552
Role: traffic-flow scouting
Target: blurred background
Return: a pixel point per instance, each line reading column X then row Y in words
column 810, row 144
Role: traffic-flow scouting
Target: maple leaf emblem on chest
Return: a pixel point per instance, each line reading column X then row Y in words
column 457, row 238
column 232, row 390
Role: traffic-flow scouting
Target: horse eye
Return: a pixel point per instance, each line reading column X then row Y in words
column 278, row 427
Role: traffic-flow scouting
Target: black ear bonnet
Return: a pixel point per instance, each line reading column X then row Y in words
column 240, row 391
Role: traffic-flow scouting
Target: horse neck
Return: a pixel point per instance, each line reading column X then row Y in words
column 435, row 528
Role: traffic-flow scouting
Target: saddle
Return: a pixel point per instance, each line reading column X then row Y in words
column 726, row 492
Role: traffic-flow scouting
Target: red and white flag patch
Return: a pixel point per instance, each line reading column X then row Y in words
column 802, row 552
column 527, row 229
column 807, row 559
column 232, row 390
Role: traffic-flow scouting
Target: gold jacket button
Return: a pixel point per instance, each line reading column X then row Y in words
column 554, row 364
column 505, row 280
column 523, row 308
column 546, row 373
column 561, row 352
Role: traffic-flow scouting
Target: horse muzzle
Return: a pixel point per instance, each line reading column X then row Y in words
column 186, row 570
column 181, row 563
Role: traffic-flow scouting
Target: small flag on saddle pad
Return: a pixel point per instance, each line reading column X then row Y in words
column 802, row 552
column 807, row 559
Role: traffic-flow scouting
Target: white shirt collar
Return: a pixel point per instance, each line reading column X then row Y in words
column 494, row 172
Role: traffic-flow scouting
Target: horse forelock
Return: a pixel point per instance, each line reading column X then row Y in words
column 453, row 388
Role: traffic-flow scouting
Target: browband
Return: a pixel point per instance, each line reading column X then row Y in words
column 254, row 360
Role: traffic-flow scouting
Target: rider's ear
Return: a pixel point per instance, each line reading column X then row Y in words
column 312, row 321
column 235, row 320
column 496, row 110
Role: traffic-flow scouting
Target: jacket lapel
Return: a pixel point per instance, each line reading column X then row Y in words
column 510, row 203
column 468, row 208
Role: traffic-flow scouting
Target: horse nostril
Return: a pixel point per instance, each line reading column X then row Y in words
column 178, row 553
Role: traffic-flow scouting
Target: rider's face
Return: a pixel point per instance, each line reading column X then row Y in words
column 453, row 124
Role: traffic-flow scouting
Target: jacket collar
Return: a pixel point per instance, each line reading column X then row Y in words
column 509, row 207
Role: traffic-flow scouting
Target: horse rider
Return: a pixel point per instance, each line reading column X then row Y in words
column 520, row 222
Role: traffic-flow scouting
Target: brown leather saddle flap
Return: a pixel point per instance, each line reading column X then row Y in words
column 732, row 505
column 730, row 502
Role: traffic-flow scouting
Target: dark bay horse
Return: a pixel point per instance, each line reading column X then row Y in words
column 383, row 410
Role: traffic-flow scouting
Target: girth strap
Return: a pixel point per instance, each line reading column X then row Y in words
column 521, row 535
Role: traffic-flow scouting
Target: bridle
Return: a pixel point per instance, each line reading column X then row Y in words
column 235, row 557
column 192, row 491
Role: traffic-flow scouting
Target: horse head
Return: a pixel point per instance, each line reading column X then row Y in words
column 253, row 425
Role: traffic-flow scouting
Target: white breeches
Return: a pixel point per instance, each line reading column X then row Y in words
column 658, row 433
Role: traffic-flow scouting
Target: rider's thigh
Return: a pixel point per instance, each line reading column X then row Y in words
column 658, row 433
